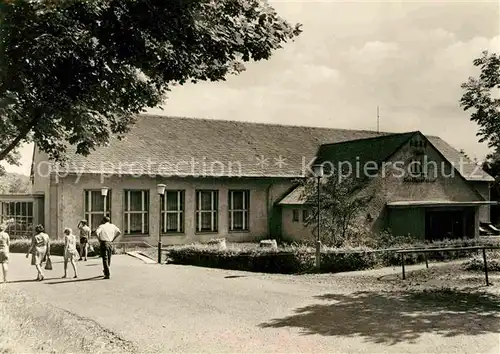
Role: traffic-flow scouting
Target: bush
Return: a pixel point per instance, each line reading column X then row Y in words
column 477, row 264
column 299, row 258
column 56, row 247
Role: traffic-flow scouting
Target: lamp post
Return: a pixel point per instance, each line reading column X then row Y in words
column 318, row 172
column 160, row 188
column 104, row 193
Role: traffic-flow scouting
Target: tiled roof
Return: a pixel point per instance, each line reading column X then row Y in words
column 467, row 168
column 295, row 197
column 160, row 145
column 208, row 147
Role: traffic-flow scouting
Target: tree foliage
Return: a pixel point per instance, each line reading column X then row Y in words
column 492, row 166
column 12, row 183
column 482, row 97
column 341, row 201
column 77, row 71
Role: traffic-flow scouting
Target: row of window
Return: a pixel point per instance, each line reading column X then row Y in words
column 296, row 214
column 172, row 210
column 21, row 213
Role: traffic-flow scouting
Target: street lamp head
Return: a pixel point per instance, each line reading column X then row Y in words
column 104, row 191
column 160, row 188
column 318, row 170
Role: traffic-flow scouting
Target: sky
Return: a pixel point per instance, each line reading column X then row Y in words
column 407, row 57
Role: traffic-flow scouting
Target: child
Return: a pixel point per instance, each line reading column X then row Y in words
column 4, row 250
column 70, row 251
column 84, row 239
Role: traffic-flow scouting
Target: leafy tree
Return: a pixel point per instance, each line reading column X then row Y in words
column 342, row 200
column 19, row 186
column 492, row 166
column 482, row 97
column 76, row 72
column 14, row 183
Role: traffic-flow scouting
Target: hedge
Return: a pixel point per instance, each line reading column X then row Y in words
column 289, row 259
column 301, row 259
column 56, row 247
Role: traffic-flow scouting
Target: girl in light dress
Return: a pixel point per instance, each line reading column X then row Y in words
column 70, row 251
column 39, row 249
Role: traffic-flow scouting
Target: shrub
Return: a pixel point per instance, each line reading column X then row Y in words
column 56, row 247
column 299, row 258
column 477, row 264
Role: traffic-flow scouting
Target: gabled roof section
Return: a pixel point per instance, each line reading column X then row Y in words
column 295, row 197
column 467, row 168
column 360, row 152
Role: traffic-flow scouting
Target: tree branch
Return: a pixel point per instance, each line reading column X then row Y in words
column 22, row 134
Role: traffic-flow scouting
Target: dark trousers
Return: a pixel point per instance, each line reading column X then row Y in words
column 106, row 251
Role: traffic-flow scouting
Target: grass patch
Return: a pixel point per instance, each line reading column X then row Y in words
column 27, row 326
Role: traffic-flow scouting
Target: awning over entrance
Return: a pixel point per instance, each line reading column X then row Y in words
column 438, row 203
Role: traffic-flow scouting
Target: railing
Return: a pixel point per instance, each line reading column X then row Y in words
column 449, row 249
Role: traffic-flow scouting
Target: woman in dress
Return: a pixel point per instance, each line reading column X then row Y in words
column 70, row 251
column 4, row 250
column 39, row 249
column 84, row 239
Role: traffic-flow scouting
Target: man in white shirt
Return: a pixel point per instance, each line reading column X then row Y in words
column 106, row 234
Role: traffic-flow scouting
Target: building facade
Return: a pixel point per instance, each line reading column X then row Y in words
column 436, row 203
column 226, row 179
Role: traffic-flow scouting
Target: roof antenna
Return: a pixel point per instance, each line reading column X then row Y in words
column 378, row 121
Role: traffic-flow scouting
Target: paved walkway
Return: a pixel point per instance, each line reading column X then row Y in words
column 188, row 309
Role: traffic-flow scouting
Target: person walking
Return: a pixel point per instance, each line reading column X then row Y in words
column 4, row 250
column 39, row 249
column 106, row 234
column 84, row 239
column 70, row 251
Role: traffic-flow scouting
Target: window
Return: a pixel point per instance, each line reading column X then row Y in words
column 172, row 212
column 305, row 215
column 239, row 202
column 206, row 210
column 22, row 215
column 95, row 204
column 136, row 212
column 295, row 215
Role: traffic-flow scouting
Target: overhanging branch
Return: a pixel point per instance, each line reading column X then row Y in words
column 22, row 135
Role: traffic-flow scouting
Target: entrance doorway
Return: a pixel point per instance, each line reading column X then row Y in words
column 449, row 224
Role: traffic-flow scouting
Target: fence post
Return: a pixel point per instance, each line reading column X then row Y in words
column 485, row 266
column 403, row 265
column 426, row 260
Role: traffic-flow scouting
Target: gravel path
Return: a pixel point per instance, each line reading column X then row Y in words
column 189, row 309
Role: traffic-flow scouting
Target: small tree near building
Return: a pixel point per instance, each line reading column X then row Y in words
column 342, row 201
column 492, row 166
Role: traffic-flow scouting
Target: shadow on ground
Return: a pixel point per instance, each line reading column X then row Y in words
column 74, row 280
column 390, row 318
